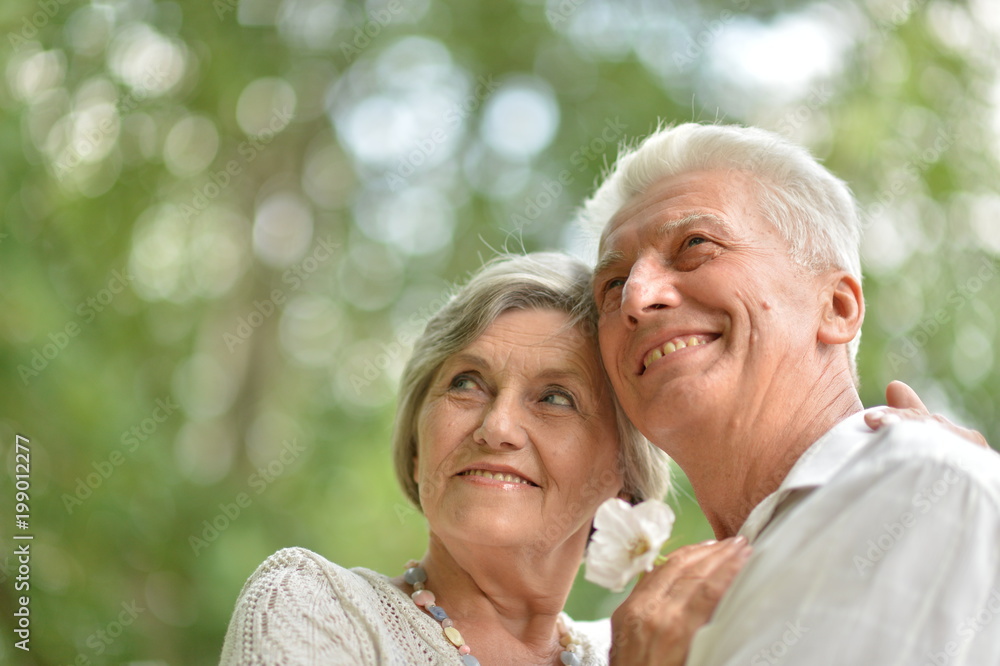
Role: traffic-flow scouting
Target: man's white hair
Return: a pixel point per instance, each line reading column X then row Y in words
column 810, row 207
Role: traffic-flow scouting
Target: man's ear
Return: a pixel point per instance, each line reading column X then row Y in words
column 843, row 309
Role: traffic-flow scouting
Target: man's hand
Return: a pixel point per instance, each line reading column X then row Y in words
column 656, row 623
column 904, row 403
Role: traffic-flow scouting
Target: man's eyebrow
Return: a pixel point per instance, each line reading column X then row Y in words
column 609, row 259
column 687, row 220
column 615, row 256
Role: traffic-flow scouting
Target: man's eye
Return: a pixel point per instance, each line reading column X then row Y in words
column 613, row 283
column 695, row 240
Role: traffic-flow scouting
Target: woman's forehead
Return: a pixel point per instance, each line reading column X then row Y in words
column 547, row 341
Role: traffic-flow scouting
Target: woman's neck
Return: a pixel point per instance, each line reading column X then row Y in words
column 505, row 601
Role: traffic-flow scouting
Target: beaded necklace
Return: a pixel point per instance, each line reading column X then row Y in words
column 416, row 576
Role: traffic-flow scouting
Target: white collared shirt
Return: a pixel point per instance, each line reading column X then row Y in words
column 877, row 549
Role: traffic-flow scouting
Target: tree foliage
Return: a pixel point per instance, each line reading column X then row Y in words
column 224, row 221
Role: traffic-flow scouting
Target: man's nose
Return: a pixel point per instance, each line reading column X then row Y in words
column 649, row 288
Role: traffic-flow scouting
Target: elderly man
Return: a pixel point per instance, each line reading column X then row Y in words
column 730, row 300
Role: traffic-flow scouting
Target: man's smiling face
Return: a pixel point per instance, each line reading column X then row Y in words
column 700, row 304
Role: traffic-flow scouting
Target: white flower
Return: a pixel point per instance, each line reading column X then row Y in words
column 627, row 541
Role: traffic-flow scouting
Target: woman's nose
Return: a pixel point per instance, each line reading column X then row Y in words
column 502, row 426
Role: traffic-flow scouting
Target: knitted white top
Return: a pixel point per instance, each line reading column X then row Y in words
column 299, row 608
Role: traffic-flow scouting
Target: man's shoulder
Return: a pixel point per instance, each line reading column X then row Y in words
column 924, row 451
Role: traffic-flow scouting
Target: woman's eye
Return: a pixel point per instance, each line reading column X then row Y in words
column 558, row 398
column 463, row 382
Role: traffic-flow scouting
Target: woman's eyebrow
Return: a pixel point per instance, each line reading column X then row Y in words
column 567, row 373
column 465, row 358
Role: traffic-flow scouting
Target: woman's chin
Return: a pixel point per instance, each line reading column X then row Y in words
column 487, row 526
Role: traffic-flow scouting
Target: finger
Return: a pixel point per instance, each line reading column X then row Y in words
column 692, row 598
column 671, row 602
column 974, row 436
column 901, row 396
column 690, row 562
column 701, row 596
column 711, row 575
column 677, row 561
column 886, row 416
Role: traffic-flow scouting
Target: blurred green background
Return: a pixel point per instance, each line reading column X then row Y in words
column 222, row 218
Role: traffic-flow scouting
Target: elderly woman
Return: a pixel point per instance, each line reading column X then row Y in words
column 508, row 438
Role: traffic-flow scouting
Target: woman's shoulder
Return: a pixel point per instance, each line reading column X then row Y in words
column 298, row 605
column 299, row 573
column 296, row 562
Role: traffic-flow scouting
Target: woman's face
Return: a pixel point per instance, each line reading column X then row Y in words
column 516, row 439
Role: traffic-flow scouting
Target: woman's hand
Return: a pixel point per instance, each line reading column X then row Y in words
column 903, row 402
column 657, row 621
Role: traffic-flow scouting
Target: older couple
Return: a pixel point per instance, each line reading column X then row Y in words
column 728, row 304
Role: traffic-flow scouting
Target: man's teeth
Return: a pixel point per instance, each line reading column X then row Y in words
column 670, row 348
column 497, row 476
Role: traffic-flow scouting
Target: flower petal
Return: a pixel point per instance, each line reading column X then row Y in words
column 627, row 541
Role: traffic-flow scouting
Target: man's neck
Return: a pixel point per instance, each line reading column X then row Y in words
column 742, row 460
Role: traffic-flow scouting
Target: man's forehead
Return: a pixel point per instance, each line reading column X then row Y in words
column 610, row 252
column 671, row 199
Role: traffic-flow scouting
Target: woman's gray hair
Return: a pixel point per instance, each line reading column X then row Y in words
column 812, row 209
column 541, row 280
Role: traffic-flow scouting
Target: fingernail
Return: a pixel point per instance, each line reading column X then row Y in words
column 889, row 419
column 741, row 540
column 709, row 542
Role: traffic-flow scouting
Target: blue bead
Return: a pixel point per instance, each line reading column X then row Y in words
column 415, row 575
column 438, row 613
column 469, row 660
column 569, row 658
